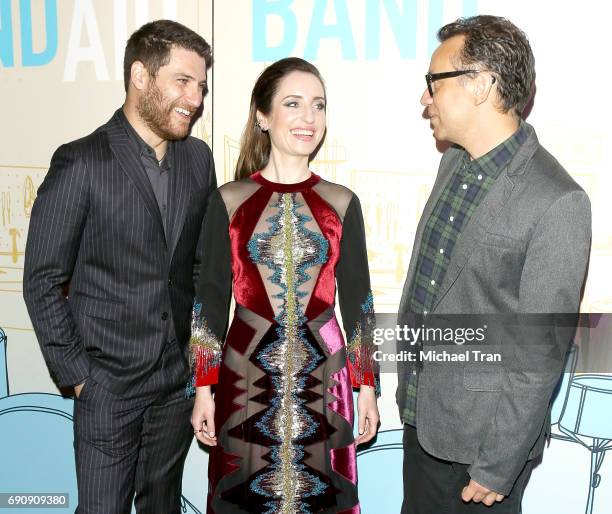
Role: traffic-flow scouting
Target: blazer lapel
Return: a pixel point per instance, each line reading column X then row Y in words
column 179, row 185
column 445, row 172
column 132, row 167
column 483, row 217
column 486, row 213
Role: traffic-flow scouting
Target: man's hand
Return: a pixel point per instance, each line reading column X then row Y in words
column 367, row 414
column 77, row 389
column 478, row 493
column 203, row 416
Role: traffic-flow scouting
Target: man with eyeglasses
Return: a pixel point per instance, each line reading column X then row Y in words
column 505, row 230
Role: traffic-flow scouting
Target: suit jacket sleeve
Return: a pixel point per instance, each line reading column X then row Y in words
column 213, row 295
column 355, row 298
column 58, row 217
column 206, row 163
column 551, row 281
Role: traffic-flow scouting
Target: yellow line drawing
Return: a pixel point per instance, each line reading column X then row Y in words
column 29, row 195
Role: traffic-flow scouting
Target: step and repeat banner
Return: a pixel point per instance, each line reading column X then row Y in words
column 61, row 77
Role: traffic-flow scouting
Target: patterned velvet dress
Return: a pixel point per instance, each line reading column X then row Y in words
column 284, row 375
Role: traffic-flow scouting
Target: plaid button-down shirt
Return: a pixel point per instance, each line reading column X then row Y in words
column 464, row 192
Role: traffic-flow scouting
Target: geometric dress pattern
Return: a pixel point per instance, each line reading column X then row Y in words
column 283, row 371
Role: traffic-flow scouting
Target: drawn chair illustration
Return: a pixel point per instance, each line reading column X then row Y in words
column 379, row 469
column 587, row 420
column 36, row 443
column 582, row 413
column 36, row 438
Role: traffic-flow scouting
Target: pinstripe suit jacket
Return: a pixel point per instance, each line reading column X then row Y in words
column 96, row 225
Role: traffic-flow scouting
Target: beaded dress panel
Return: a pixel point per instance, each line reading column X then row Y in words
column 283, row 371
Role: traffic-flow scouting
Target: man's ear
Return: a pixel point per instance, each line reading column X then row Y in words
column 139, row 76
column 482, row 85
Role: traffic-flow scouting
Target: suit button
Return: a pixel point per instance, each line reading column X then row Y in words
column 169, row 282
column 164, row 316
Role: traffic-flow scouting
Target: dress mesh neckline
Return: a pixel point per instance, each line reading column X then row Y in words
column 286, row 188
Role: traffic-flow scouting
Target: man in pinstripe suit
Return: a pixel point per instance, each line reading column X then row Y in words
column 118, row 218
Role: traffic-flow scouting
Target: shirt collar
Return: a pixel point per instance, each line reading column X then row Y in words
column 142, row 147
column 494, row 161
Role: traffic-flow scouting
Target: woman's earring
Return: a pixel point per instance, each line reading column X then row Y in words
column 260, row 126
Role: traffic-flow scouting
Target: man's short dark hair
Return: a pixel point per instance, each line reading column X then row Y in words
column 151, row 44
column 497, row 45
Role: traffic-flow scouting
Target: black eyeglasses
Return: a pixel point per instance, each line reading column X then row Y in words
column 430, row 78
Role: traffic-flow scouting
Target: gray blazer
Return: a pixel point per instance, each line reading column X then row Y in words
column 524, row 250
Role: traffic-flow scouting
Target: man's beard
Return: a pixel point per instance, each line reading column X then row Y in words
column 156, row 112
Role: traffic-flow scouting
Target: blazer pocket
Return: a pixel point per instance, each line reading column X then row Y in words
column 99, row 307
column 482, row 379
column 85, row 389
column 501, row 241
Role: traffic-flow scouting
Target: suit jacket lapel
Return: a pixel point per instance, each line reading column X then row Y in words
column 179, row 185
column 132, row 167
column 445, row 172
column 486, row 213
column 483, row 217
